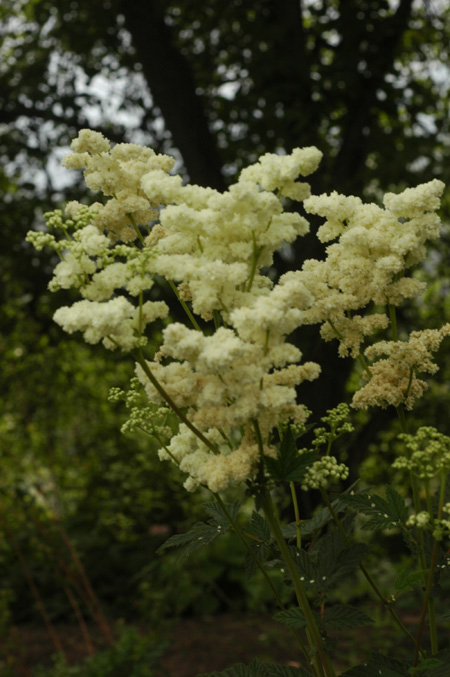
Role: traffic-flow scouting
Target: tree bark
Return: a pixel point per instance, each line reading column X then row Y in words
column 172, row 87
column 359, row 118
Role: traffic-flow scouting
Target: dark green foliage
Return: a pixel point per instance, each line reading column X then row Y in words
column 337, row 617
column 293, row 618
column 290, row 465
column 329, row 560
column 384, row 513
column 407, row 581
column 202, row 533
column 437, row 666
column 260, row 543
column 343, row 617
column 258, row 669
column 379, row 665
column 133, row 655
column 316, row 523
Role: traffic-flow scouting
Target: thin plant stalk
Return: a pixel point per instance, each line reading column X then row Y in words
column 81, row 621
column 34, row 591
column 243, row 540
column 321, row 658
column 98, row 613
column 184, row 306
column 298, row 529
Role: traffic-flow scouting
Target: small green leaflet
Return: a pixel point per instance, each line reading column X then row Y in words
column 260, row 545
column 290, row 466
column 344, row 617
column 317, row 522
column 384, row 513
column 437, row 666
column 259, row 527
column 331, row 558
column 337, row 617
column 203, row 533
column 406, row 581
column 293, row 618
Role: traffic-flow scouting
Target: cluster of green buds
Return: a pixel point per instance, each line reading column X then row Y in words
column 152, row 419
column 327, row 469
column 429, row 453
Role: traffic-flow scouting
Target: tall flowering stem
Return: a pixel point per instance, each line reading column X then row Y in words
column 321, row 658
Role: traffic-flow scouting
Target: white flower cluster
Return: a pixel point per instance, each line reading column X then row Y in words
column 226, row 383
column 375, row 246
column 235, row 385
column 215, row 243
column 393, row 380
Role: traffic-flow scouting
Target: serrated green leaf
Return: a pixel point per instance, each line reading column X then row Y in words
column 203, row 533
column 293, row 618
column 304, row 564
column 200, row 535
column 427, row 665
column 217, row 514
column 261, row 551
column 379, row 666
column 259, row 527
column 289, row 466
column 397, row 505
column 443, row 669
column 316, row 523
column 344, row 617
column 406, row 581
column 289, row 531
column 335, row 558
column 385, row 514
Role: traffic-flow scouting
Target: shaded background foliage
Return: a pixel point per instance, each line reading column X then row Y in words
column 216, row 84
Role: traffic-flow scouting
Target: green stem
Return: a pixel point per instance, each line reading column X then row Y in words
column 244, row 542
column 426, row 606
column 256, row 254
column 428, row 602
column 136, row 228
column 297, row 515
column 321, row 658
column 393, row 319
column 140, row 359
column 216, row 318
column 185, row 306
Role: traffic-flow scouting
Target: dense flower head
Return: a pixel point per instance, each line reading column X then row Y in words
column 236, row 381
column 226, row 384
column 375, row 246
column 393, row 380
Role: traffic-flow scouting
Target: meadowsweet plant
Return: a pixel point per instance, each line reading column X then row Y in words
column 220, row 393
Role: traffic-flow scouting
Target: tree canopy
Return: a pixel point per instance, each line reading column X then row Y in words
column 216, row 84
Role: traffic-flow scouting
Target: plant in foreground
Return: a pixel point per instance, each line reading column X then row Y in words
column 221, row 390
